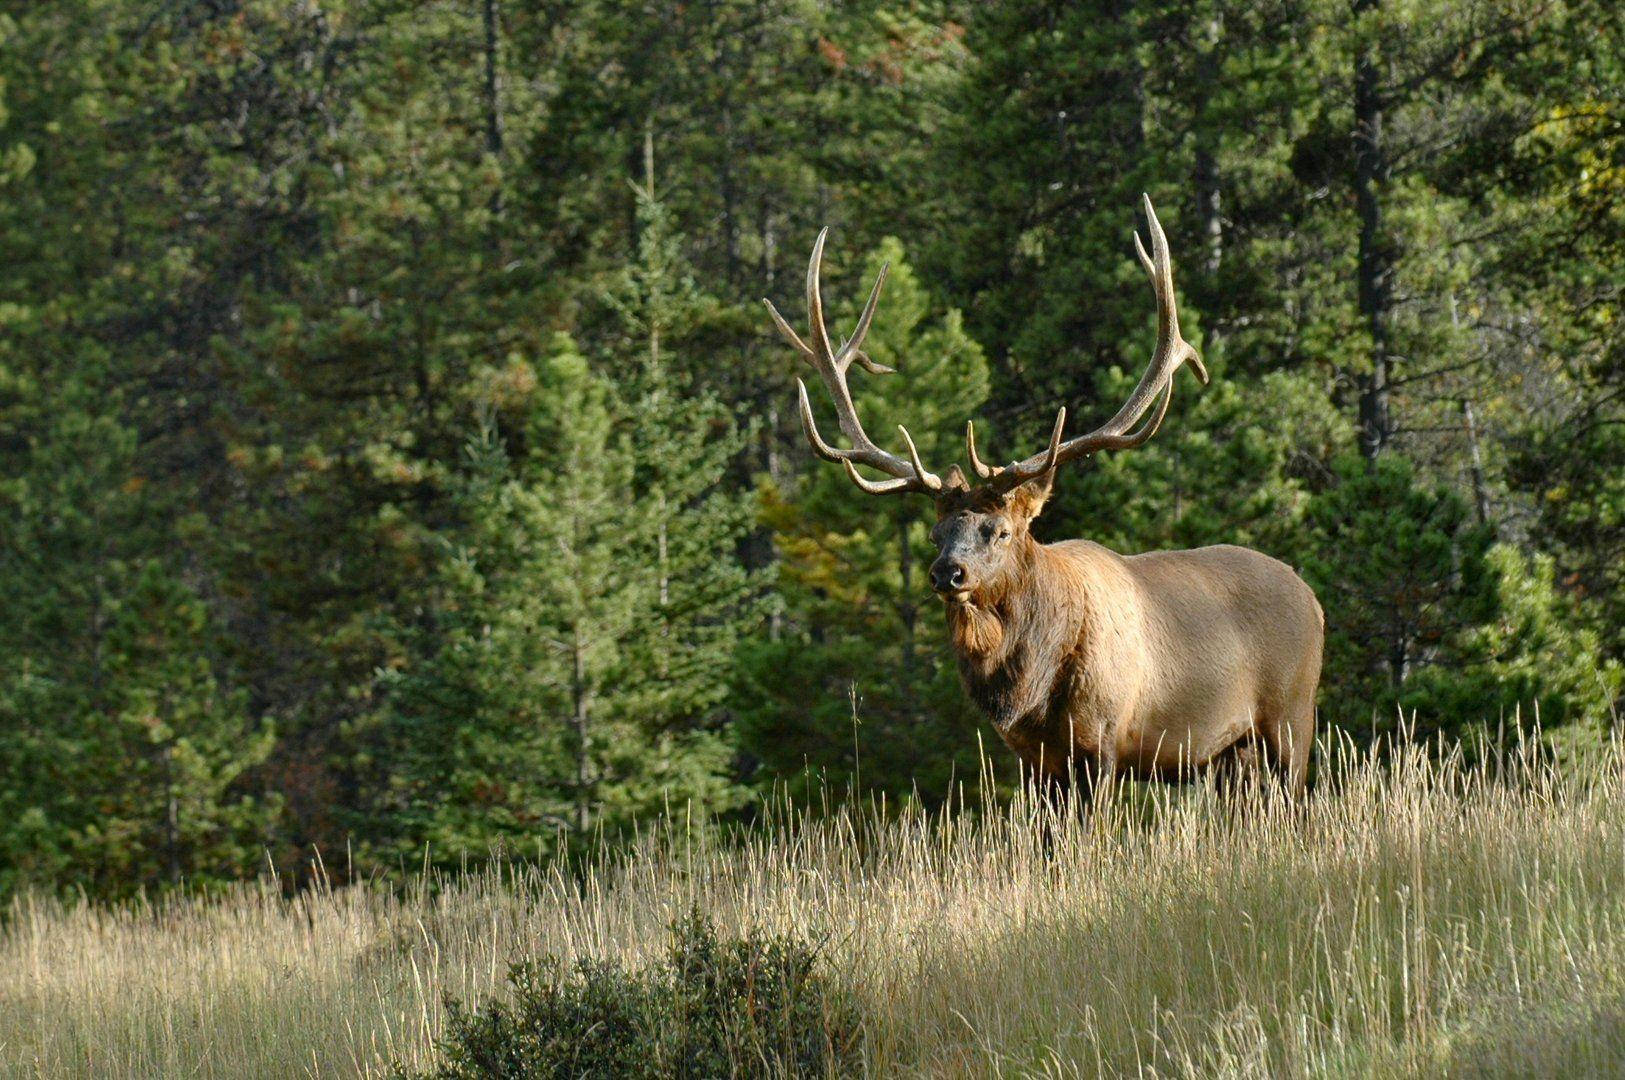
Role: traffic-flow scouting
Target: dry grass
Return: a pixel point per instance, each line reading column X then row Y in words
column 1419, row 918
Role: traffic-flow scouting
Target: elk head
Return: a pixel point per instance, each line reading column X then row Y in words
column 982, row 531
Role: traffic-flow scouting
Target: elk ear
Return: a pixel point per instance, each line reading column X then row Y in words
column 1027, row 501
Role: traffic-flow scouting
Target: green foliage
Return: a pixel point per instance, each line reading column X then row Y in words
column 1238, row 462
column 1534, row 660
column 1402, row 574
column 350, row 395
column 1038, row 231
column 1574, row 465
column 1463, row 634
column 566, row 682
column 126, row 740
column 758, row 1006
column 684, row 440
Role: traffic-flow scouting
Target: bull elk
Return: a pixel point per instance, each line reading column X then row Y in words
column 1093, row 665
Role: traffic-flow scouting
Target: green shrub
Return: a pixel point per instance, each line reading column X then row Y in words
column 757, row 1006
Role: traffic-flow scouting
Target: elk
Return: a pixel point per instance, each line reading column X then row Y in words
column 1093, row 665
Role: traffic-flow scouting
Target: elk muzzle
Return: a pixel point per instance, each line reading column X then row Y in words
column 948, row 577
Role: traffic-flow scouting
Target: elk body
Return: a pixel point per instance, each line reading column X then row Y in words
column 1092, row 664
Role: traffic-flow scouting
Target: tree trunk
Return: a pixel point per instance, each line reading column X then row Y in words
column 1376, row 255
column 1207, row 164
column 493, row 92
column 582, row 720
column 1205, row 178
column 906, row 608
column 1399, row 663
column 172, row 816
column 1481, row 495
column 1207, row 204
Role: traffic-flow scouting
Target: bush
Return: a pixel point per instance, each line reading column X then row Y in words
column 753, row 1007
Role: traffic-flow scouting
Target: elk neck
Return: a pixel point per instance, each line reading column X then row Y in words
column 1012, row 640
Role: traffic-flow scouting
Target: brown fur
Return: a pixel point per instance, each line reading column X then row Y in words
column 1087, row 661
column 978, row 635
column 1094, row 664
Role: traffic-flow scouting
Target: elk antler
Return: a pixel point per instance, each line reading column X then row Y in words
column 1118, row 433
column 832, row 365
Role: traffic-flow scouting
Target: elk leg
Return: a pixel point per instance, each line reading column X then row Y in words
column 1238, row 768
column 1053, row 798
column 1285, row 747
column 1242, row 773
column 1103, row 768
column 1057, row 790
column 1298, row 739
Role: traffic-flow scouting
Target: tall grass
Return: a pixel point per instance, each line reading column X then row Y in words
column 1414, row 917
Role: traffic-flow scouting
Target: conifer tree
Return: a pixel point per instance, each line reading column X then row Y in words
column 1402, row 573
column 1535, row 660
column 279, row 301
column 503, row 729
column 583, row 623
column 684, row 442
column 1036, row 226
column 129, row 750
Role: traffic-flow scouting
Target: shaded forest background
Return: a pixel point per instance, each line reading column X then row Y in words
column 396, row 458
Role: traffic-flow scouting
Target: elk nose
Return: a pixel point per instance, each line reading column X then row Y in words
column 947, row 576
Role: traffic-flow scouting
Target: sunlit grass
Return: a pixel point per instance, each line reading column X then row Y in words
column 1416, row 917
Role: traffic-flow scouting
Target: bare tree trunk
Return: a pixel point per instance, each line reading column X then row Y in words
column 493, row 92
column 172, row 816
column 759, row 545
column 1481, row 495
column 1376, row 257
column 1208, row 204
column 1205, row 178
column 906, row 608
column 582, row 721
column 1207, row 164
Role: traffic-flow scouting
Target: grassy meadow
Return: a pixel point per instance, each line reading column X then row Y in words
column 1416, row 917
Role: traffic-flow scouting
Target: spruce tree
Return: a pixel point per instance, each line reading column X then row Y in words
column 128, row 746
column 684, row 443
column 1401, row 571
column 1534, row 661
column 573, row 662
column 499, row 731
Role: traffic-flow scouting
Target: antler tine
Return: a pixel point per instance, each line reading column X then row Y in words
column 853, row 347
column 1159, row 268
column 1142, row 434
column 879, row 487
column 815, row 298
column 986, row 472
column 1052, row 458
column 784, row 328
column 913, row 454
column 832, row 366
column 1172, row 350
column 1020, row 472
column 820, row 447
